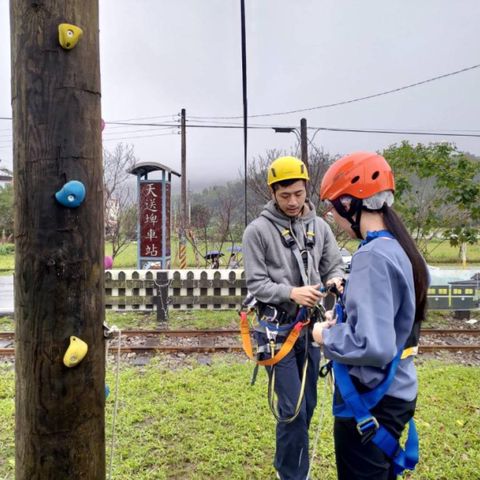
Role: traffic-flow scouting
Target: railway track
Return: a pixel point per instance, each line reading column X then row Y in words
column 149, row 341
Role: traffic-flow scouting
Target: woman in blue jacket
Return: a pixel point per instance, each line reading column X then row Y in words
column 383, row 305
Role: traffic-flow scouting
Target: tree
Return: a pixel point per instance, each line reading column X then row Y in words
column 200, row 223
column 119, row 204
column 437, row 191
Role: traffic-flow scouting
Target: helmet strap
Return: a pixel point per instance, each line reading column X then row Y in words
column 353, row 214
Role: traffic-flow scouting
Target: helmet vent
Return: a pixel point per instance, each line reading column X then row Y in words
column 355, row 179
column 375, row 175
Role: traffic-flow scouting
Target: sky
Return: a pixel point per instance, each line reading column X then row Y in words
column 159, row 56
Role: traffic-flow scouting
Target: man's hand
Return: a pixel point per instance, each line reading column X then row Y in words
column 307, row 296
column 338, row 282
column 329, row 318
column 317, row 331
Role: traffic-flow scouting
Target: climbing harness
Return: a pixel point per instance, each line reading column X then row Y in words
column 358, row 406
column 290, row 241
column 283, row 349
column 302, row 319
column 277, row 349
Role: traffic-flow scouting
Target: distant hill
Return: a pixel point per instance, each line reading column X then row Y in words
column 198, row 185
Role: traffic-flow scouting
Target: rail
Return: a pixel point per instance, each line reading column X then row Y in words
column 140, row 337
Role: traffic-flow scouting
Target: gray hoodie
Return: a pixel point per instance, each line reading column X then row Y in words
column 271, row 269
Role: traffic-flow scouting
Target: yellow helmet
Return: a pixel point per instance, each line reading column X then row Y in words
column 286, row 168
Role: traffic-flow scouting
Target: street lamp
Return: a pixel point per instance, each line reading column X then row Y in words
column 285, row 130
column 302, row 137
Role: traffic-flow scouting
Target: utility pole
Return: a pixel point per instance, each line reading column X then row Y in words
column 182, row 251
column 245, row 109
column 303, row 141
column 59, row 271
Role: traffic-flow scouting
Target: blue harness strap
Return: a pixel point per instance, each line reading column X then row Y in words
column 376, row 234
column 359, row 406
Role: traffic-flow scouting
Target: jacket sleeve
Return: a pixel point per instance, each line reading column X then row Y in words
column 331, row 263
column 256, row 272
column 368, row 336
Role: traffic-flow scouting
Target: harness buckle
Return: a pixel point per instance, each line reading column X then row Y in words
column 369, row 425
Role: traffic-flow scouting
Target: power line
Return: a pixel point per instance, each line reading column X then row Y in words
column 332, row 129
column 398, row 132
column 138, row 136
column 128, row 132
column 448, row 133
column 353, row 100
column 8, row 143
column 172, row 115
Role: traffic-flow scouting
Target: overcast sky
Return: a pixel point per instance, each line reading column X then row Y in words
column 158, row 56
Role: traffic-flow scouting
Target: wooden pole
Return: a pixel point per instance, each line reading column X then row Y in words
column 182, row 249
column 184, row 167
column 303, row 141
column 59, row 276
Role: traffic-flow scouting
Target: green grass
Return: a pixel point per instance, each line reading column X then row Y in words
column 440, row 253
column 7, row 259
column 6, row 324
column 178, row 319
column 128, row 257
column 206, row 422
column 443, row 252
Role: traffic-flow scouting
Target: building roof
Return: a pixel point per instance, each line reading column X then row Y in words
column 143, row 168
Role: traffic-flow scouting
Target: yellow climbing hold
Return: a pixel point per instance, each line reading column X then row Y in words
column 69, row 35
column 75, row 353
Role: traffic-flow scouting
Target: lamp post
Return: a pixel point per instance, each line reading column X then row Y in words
column 302, row 138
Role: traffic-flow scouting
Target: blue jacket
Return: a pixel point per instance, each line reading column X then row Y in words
column 380, row 309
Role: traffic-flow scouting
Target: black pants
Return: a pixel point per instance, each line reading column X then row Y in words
column 357, row 460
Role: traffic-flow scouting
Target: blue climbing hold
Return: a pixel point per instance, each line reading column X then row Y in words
column 72, row 194
column 107, row 391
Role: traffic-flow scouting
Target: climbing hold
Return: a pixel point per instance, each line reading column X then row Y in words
column 69, row 35
column 72, row 194
column 75, row 353
column 108, row 262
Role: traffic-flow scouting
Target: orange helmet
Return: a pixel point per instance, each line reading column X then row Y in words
column 360, row 175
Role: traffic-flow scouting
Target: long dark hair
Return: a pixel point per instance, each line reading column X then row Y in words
column 420, row 272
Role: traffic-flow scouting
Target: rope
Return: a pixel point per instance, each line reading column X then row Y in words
column 115, row 408
column 321, row 415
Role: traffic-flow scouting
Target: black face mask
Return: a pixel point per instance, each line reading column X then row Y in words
column 353, row 215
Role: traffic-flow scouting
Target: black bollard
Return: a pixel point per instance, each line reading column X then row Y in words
column 161, row 298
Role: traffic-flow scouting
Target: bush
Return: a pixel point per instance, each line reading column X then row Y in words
column 7, row 249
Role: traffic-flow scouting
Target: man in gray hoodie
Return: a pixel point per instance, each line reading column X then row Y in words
column 289, row 253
